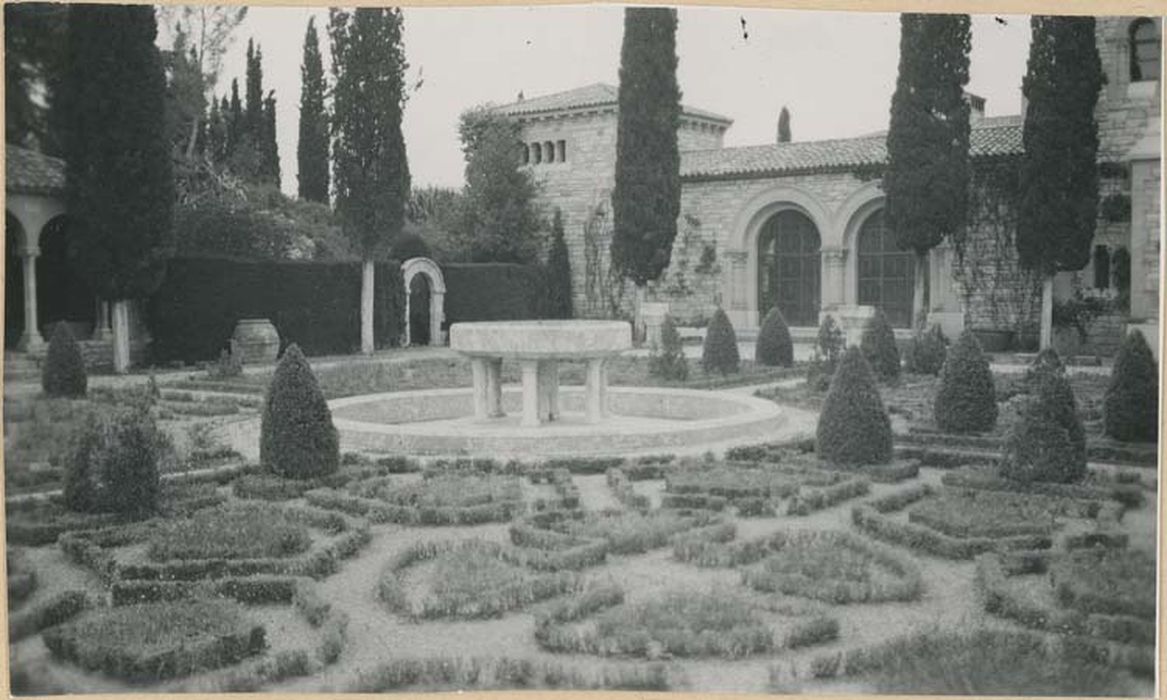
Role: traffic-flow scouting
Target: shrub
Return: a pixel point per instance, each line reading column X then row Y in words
column 115, row 462
column 829, row 346
column 297, row 438
column 230, row 363
column 1046, row 360
column 1132, row 399
column 720, row 352
column 774, row 347
column 247, row 532
column 64, row 371
column 966, row 401
column 409, row 246
column 1037, row 448
column 878, row 344
column 927, row 351
column 671, row 362
column 683, row 624
column 45, row 613
column 853, row 427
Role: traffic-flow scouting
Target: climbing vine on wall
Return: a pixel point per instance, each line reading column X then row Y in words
column 694, row 260
column 604, row 288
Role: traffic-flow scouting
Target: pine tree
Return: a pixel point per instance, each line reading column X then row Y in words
column 559, row 271
column 120, row 188
column 371, row 172
column 646, row 200
column 1058, row 207
column 927, row 174
column 312, row 150
column 784, row 125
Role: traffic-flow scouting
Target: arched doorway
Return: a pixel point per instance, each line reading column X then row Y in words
column 420, row 332
column 14, row 281
column 788, row 267
column 425, row 301
column 886, row 274
column 62, row 294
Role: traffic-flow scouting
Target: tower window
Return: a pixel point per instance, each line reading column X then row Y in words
column 537, row 152
column 549, row 152
column 562, row 151
column 525, row 153
column 1145, row 50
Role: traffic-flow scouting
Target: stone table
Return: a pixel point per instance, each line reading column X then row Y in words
column 539, row 346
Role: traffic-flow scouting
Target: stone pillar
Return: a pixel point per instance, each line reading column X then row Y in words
column 101, row 329
column 596, row 390
column 494, row 388
column 833, row 285
column 530, row 370
column 735, row 297
column 31, row 341
column 478, row 373
column 437, row 317
column 548, row 377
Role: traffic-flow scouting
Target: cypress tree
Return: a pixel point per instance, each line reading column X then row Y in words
column 559, row 269
column 371, row 173
column 269, row 149
column 784, row 125
column 312, row 150
column 647, row 197
column 233, row 113
column 253, row 107
column 1058, row 208
column 119, row 175
column 927, row 174
column 216, row 134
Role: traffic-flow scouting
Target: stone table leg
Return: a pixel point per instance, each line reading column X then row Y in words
column 479, row 370
column 530, row 370
column 494, row 388
column 596, row 391
column 548, row 390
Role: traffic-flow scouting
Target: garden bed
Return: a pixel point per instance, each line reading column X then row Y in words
column 442, row 499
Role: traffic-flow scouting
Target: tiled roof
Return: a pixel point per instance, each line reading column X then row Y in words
column 994, row 136
column 30, row 172
column 595, row 95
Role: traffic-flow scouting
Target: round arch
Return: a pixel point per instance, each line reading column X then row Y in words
column 63, row 294
column 429, row 269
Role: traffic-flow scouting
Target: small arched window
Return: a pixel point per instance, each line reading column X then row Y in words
column 549, row 152
column 1101, row 267
column 1145, row 50
column 562, row 151
column 537, row 153
column 525, row 153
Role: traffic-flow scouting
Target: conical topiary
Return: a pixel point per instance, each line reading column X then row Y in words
column 878, row 344
column 967, row 400
column 1047, row 359
column 297, row 437
column 853, row 426
column 1131, row 409
column 1034, row 451
column 720, row 354
column 927, row 351
column 64, row 371
column 774, row 347
column 670, row 363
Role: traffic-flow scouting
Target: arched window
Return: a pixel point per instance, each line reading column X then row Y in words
column 549, row 152
column 886, row 273
column 562, row 151
column 537, row 153
column 788, row 268
column 525, row 153
column 1101, row 267
column 1145, row 50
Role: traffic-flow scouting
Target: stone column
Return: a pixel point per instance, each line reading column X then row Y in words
column 735, row 298
column 101, row 329
column 494, row 388
column 548, row 390
column 833, row 284
column 596, row 391
column 31, row 341
column 437, row 316
column 530, row 370
column 478, row 371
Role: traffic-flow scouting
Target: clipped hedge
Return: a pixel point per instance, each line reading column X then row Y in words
column 853, row 426
column 297, row 437
column 967, row 400
column 1131, row 411
column 720, row 352
column 878, row 344
column 45, row 614
column 495, row 292
column 927, row 351
column 774, row 347
column 64, row 370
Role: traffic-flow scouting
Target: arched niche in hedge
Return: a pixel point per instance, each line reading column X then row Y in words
column 437, row 298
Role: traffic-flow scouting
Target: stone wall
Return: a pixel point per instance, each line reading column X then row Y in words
column 1124, row 109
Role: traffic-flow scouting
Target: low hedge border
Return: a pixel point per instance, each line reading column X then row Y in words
column 490, row 603
column 44, row 614
column 1097, row 450
column 622, row 489
column 1095, row 500
column 566, row 491
column 381, row 512
column 807, row 501
column 894, row 473
column 935, row 514
column 461, row 673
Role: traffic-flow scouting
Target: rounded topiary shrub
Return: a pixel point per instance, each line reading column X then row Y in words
column 64, row 371
column 114, row 464
column 1131, row 408
column 927, row 351
column 854, row 427
column 774, row 347
column 720, row 353
column 1037, row 448
column 967, row 399
column 878, row 344
column 669, row 363
column 297, row 437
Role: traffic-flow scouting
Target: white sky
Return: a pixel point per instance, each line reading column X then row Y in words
column 834, row 71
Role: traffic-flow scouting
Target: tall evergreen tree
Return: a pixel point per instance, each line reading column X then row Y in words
column 1058, row 207
column 269, row 153
column 784, row 125
column 312, row 149
column 216, row 133
column 253, row 106
column 927, row 175
column 371, row 171
column 186, row 103
column 647, row 197
column 119, row 175
column 233, row 113
column 559, row 271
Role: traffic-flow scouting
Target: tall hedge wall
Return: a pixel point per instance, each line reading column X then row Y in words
column 495, row 292
column 314, row 304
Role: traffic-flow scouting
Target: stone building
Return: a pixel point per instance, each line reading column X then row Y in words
column 801, row 225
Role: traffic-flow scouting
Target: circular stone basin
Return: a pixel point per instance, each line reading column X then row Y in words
column 541, row 339
column 645, row 420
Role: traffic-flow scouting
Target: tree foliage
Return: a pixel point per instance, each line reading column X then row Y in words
column 670, row 362
column 119, row 175
column 853, row 427
column 1058, row 208
column 927, row 173
column 559, row 271
column 646, row 200
column 34, row 51
column 312, row 149
column 370, row 167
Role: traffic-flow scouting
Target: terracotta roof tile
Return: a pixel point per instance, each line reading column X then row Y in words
column 595, row 95
column 30, row 172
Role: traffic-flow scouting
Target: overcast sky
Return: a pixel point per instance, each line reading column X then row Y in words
column 835, row 71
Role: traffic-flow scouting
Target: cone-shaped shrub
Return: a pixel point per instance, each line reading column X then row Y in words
column 64, row 371
column 720, row 353
column 670, row 363
column 828, row 351
column 853, row 426
column 774, row 347
column 1037, row 448
column 297, row 438
column 1132, row 399
column 966, row 401
column 114, row 464
column 927, row 351
column 879, row 347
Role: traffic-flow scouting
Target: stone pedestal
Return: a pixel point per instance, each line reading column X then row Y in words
column 654, row 317
column 487, row 387
column 596, row 391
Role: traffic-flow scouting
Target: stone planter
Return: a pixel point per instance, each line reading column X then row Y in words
column 994, row 339
column 257, row 340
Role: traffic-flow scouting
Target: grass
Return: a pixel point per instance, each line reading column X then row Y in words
column 232, row 532
column 967, row 513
